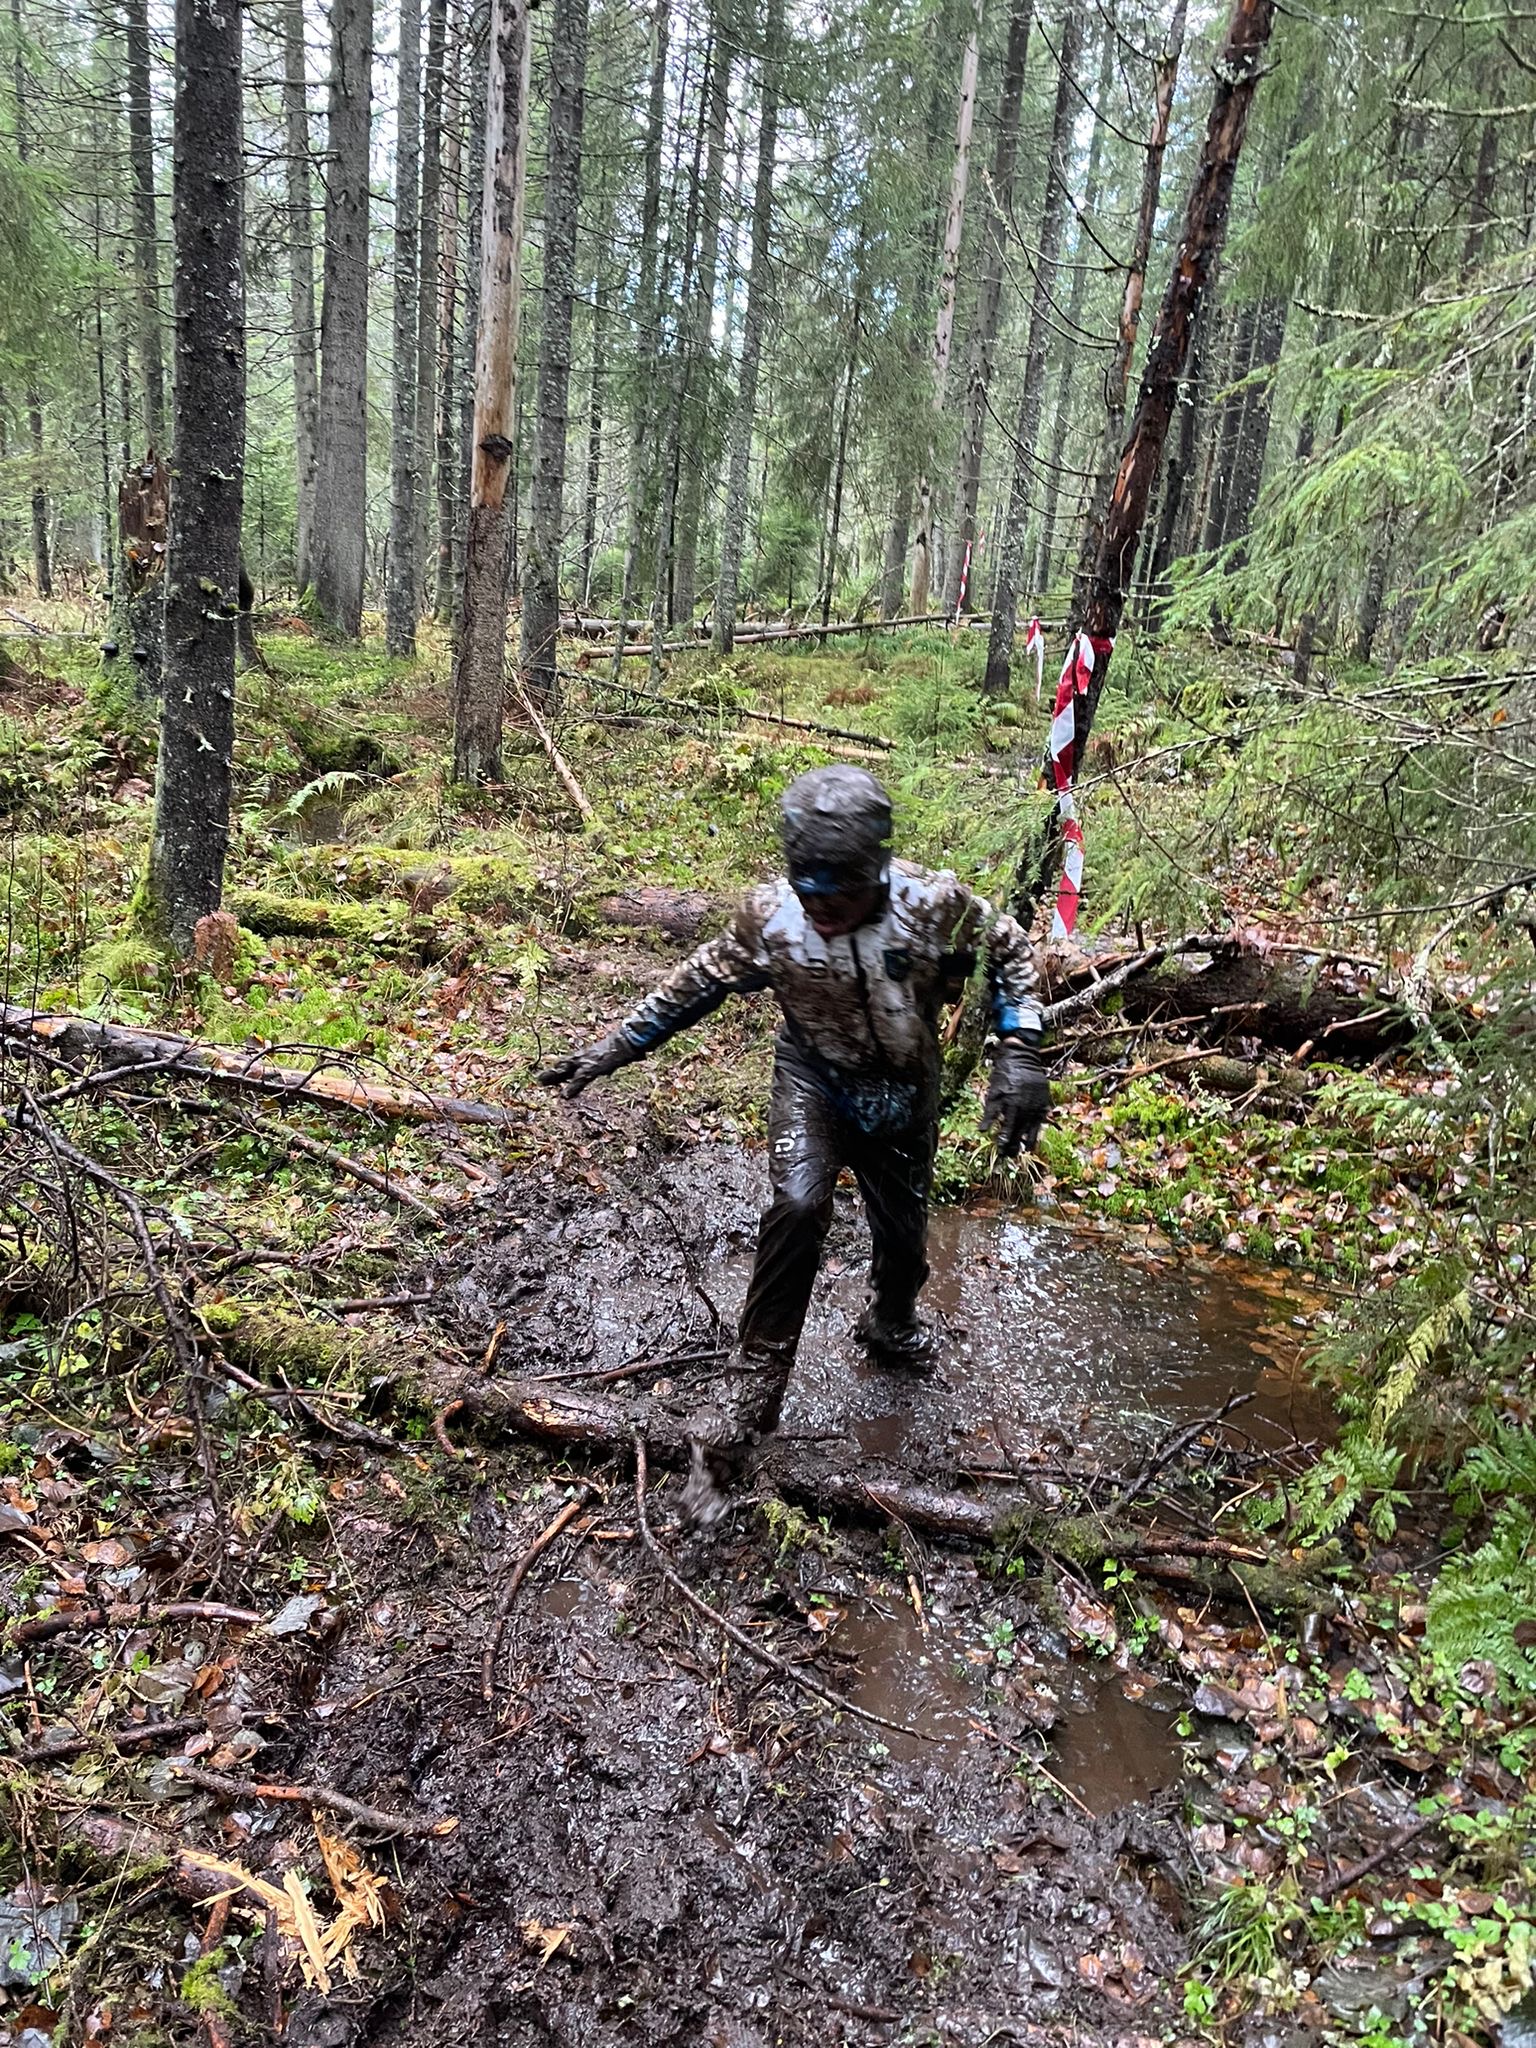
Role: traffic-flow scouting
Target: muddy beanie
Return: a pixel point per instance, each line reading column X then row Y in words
column 836, row 830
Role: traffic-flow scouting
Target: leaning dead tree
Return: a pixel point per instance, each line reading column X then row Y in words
column 1098, row 611
column 478, row 678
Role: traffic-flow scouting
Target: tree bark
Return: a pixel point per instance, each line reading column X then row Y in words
column 1253, row 435
column 562, row 193
column 197, row 715
column 301, row 282
column 1117, row 375
column 1005, row 596
column 478, row 671
column 760, row 291
column 448, row 367
column 146, row 229
column 339, row 541
column 647, row 320
column 427, row 283
column 594, row 462
column 840, row 463
column 1229, row 427
column 893, row 570
column 1480, row 211
column 42, row 567
column 1203, row 233
column 403, row 585
column 989, row 300
column 138, row 589
column 944, row 318
column 1045, row 545
column 702, row 414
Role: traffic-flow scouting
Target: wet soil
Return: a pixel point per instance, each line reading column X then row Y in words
column 661, row 1841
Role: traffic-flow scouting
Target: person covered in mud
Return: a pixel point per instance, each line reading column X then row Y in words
column 862, row 953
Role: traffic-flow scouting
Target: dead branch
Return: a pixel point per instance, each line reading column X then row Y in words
column 739, row 1636
column 342, row 1427
column 323, row 1796
column 1128, row 970
column 119, row 1738
column 343, row 1162
column 831, row 732
column 557, row 760
column 1347, row 1879
column 130, row 1615
column 328, row 1081
column 515, row 1578
column 1178, row 1441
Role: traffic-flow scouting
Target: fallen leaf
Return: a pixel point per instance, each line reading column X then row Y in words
column 545, row 1939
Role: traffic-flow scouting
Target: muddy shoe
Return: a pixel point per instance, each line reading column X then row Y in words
column 742, row 1407
column 905, row 1346
column 704, row 1498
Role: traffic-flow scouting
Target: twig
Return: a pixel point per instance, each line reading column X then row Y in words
column 323, row 1796
column 509, row 1592
column 831, row 732
column 348, row 1431
column 1018, row 1749
column 130, row 1615
column 1398, row 1842
column 120, row 1738
column 739, row 1636
column 1139, row 963
column 440, row 1429
column 343, row 1162
column 1170, row 1449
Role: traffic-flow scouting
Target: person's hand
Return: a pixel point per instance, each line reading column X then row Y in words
column 1018, row 1097
column 580, row 1069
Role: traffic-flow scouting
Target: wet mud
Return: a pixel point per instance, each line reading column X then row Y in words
column 660, row 1840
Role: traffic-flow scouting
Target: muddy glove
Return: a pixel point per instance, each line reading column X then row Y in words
column 582, row 1068
column 1018, row 1095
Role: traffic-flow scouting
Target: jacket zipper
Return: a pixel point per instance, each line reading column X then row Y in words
column 863, row 988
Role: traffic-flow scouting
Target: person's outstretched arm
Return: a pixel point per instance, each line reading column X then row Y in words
column 731, row 965
column 1019, row 1092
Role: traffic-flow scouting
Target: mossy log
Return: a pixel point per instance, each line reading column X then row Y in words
column 387, row 927
column 475, row 882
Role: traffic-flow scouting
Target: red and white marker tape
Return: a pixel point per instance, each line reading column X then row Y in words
column 1076, row 676
column 1034, row 643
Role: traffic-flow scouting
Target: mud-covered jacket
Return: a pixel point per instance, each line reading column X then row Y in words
column 861, row 1006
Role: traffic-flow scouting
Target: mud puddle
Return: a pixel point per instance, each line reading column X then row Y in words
column 1051, row 1337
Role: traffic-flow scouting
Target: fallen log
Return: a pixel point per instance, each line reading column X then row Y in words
column 557, row 761
column 811, row 725
column 329, row 1081
column 810, row 629
column 386, row 927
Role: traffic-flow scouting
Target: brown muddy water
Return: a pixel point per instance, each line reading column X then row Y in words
column 716, row 1858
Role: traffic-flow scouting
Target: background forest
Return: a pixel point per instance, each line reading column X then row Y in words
column 458, row 462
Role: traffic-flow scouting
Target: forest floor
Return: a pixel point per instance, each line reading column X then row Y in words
column 1073, row 1782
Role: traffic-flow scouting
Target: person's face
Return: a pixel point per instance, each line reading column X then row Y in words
column 835, row 916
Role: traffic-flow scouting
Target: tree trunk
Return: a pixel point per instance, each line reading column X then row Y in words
column 989, row 298
column 146, row 229
column 893, row 570
column 197, row 714
column 138, row 602
column 594, row 463
column 301, row 283
column 339, row 541
column 1253, row 437
column 447, row 368
column 1117, row 375
column 427, row 284
column 1236, row 73
column 1045, row 545
column 760, row 291
column 42, row 568
column 1373, row 597
column 944, row 318
column 480, row 40
column 403, row 586
column 701, row 423
column 481, row 653
column 676, row 384
column 562, row 192
column 1229, row 427
column 1005, row 596
column 840, row 464
column 1480, row 211
column 647, row 323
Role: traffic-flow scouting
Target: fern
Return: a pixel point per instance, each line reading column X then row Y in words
column 1482, row 1604
column 1359, row 1469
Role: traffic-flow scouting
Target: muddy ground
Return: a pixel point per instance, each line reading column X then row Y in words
column 709, row 1855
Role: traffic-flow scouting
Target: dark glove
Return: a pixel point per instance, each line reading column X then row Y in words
column 1018, row 1096
column 582, row 1068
